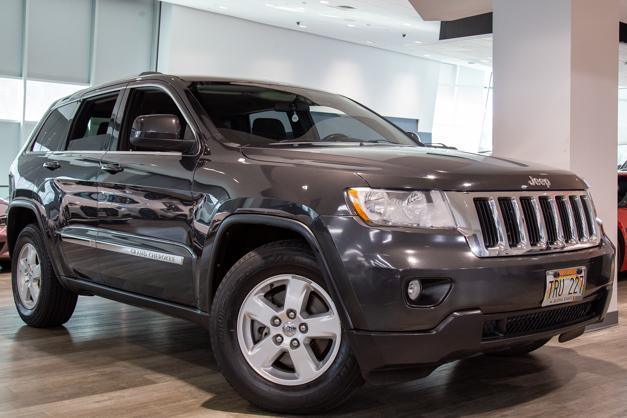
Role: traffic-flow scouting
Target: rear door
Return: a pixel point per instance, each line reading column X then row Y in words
column 83, row 130
column 146, row 206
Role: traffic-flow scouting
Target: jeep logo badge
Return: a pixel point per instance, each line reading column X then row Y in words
column 537, row 181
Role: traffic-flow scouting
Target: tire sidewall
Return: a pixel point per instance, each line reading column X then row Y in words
column 30, row 235
column 234, row 365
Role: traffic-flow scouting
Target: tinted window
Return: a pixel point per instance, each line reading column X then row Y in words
column 54, row 131
column 149, row 101
column 250, row 114
column 90, row 130
column 622, row 191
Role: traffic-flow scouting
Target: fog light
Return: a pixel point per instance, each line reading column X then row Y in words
column 413, row 289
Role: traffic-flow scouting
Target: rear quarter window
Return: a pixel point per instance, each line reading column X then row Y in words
column 54, row 131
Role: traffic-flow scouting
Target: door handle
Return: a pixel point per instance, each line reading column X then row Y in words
column 52, row 165
column 111, row 167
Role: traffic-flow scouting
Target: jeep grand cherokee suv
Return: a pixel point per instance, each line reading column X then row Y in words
column 319, row 244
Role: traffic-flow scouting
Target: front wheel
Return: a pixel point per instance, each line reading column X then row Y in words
column 277, row 334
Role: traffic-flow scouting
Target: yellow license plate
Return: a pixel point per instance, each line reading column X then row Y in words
column 564, row 285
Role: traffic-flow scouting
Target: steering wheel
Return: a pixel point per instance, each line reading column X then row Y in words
column 334, row 137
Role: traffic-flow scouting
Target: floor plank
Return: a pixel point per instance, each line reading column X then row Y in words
column 116, row 360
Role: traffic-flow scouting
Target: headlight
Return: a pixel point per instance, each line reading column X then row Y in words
column 397, row 208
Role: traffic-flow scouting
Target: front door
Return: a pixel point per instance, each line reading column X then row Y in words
column 146, row 208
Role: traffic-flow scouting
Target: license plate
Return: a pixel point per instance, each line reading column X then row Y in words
column 564, row 285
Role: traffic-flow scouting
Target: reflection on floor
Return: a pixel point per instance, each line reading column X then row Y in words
column 113, row 360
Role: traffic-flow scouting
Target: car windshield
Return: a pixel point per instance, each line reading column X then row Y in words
column 250, row 114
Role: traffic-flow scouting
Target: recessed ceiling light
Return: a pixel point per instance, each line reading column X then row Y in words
column 406, row 24
column 350, row 25
column 426, row 55
column 223, row 7
column 417, row 42
column 324, row 2
column 370, row 42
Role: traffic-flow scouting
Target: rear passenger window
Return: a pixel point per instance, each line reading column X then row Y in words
column 54, row 131
column 90, row 130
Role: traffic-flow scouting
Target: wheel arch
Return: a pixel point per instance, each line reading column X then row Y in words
column 20, row 214
column 293, row 228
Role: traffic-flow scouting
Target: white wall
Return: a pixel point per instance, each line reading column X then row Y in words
column 555, row 90
column 202, row 43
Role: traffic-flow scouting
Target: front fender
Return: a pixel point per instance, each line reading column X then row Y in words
column 313, row 232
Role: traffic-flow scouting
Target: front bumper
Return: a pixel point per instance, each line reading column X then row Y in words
column 386, row 357
column 391, row 338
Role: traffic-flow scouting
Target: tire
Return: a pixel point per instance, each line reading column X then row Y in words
column 522, row 349
column 54, row 304
column 338, row 377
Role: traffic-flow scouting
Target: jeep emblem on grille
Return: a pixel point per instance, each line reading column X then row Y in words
column 537, row 181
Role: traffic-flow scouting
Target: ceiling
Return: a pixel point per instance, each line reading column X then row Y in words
column 388, row 24
column 450, row 9
column 379, row 24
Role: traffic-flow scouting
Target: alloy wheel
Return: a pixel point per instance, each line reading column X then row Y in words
column 289, row 330
column 29, row 276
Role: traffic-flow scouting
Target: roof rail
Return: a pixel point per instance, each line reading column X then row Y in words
column 148, row 73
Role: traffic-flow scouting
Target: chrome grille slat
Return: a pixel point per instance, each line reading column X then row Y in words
column 525, row 222
column 540, row 220
column 576, row 200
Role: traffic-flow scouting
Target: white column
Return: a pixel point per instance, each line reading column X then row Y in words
column 556, row 90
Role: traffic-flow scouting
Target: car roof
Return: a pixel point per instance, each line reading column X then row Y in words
column 157, row 76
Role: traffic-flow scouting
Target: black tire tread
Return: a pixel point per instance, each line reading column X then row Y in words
column 277, row 253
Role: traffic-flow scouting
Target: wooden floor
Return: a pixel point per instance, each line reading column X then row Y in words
column 116, row 360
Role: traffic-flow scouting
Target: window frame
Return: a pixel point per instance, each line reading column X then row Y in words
column 110, row 131
column 28, row 145
column 187, row 115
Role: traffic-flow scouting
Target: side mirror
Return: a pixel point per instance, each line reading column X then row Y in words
column 159, row 133
column 413, row 136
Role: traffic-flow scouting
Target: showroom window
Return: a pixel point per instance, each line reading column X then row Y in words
column 41, row 94
column 463, row 109
column 11, row 99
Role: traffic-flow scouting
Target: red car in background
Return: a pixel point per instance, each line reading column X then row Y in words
column 622, row 220
column 4, row 248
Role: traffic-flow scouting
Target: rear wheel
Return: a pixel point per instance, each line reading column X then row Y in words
column 277, row 335
column 40, row 299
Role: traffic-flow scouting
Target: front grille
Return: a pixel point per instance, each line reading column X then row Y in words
column 549, row 219
column 539, row 321
column 514, row 223
column 533, row 228
column 510, row 220
column 577, row 215
column 567, row 228
column 486, row 219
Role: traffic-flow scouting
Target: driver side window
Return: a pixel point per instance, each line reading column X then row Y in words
column 145, row 101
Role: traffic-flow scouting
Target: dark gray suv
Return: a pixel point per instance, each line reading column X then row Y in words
column 319, row 244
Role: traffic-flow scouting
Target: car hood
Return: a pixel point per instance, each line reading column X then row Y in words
column 423, row 167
